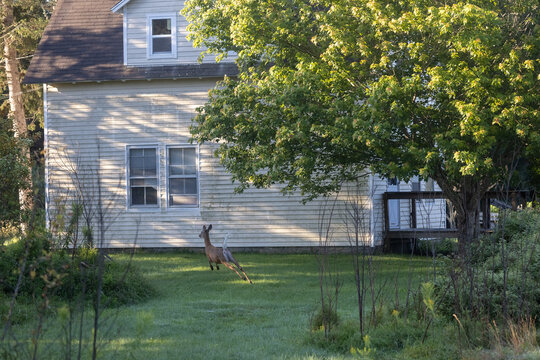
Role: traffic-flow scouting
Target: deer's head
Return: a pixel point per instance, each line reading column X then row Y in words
column 205, row 231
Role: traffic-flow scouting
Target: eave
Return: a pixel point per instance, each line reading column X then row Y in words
column 119, row 5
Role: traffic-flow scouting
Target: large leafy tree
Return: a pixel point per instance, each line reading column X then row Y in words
column 445, row 89
column 22, row 23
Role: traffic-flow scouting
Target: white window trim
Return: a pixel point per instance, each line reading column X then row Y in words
column 195, row 210
column 125, row 34
column 174, row 31
column 143, row 208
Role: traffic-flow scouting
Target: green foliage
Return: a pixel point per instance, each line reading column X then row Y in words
column 340, row 339
column 507, row 273
column 123, row 283
column 37, row 260
column 13, row 171
column 448, row 89
column 393, row 336
column 435, row 247
column 64, row 273
column 366, row 352
column 326, row 316
column 31, row 17
column 22, row 310
column 427, row 290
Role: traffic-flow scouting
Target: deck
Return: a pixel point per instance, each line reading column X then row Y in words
column 412, row 232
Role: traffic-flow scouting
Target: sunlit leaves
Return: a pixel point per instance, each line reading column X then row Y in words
column 444, row 89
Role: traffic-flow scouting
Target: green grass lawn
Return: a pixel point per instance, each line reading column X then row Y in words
column 203, row 314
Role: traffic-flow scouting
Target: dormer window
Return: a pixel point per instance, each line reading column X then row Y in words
column 161, row 36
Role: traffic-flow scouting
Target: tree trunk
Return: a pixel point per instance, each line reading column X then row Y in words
column 468, row 223
column 465, row 198
column 16, row 105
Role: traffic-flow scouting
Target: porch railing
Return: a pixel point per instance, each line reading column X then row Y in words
column 512, row 199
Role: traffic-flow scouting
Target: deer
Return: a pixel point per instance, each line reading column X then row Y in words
column 220, row 255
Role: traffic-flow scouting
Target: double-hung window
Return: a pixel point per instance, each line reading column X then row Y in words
column 161, row 35
column 143, row 177
column 183, row 184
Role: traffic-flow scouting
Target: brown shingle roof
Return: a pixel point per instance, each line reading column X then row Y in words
column 83, row 42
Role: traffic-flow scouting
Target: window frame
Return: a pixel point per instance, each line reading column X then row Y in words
column 150, row 37
column 168, row 177
column 152, row 207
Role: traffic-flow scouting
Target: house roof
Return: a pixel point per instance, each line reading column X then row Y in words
column 83, row 42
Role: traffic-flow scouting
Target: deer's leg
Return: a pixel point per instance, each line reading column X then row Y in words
column 243, row 272
column 211, row 267
column 233, row 269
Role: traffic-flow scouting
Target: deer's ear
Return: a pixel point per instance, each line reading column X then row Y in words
column 204, row 227
column 209, row 227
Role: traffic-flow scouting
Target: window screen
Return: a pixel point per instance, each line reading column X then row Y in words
column 143, row 182
column 161, row 36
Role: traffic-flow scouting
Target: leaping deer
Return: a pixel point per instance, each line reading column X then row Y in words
column 220, row 255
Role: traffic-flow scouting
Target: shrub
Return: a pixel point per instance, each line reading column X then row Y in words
column 122, row 284
column 325, row 316
column 505, row 269
column 65, row 274
column 392, row 334
column 432, row 247
column 11, row 256
column 22, row 311
column 340, row 338
column 14, row 172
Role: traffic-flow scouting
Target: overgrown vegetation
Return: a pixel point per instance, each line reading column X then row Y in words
column 271, row 320
column 123, row 284
column 13, row 172
column 64, row 271
column 38, row 279
column 506, row 268
column 200, row 314
column 488, row 300
column 435, row 247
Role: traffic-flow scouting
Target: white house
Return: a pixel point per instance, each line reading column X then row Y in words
column 121, row 85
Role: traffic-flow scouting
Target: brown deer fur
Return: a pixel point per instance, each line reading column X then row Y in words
column 215, row 254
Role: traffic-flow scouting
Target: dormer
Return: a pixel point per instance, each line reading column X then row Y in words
column 154, row 33
column 86, row 41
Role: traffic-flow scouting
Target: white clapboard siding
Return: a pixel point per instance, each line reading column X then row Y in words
column 136, row 13
column 89, row 128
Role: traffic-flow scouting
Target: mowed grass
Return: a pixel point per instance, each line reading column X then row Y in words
column 203, row 314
